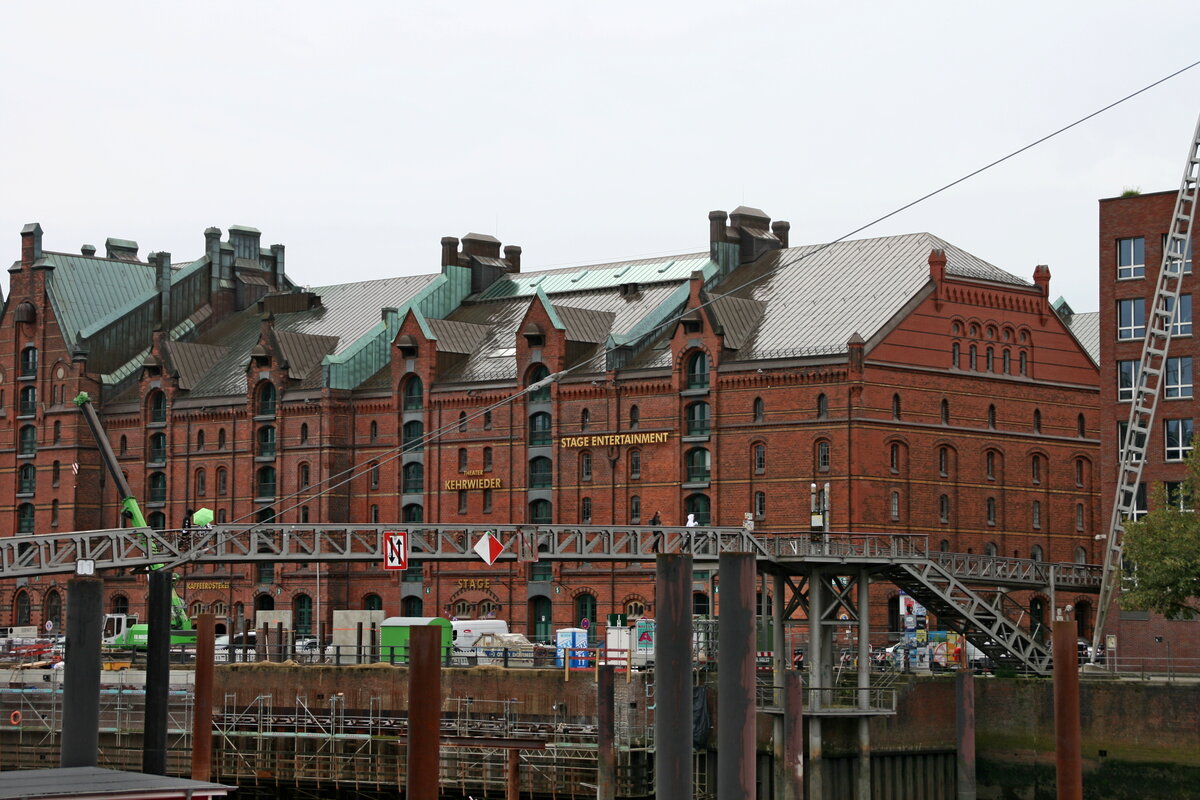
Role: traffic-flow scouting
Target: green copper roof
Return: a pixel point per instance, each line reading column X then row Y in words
column 598, row 276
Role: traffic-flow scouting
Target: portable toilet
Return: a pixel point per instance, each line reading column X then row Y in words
column 570, row 638
column 394, row 635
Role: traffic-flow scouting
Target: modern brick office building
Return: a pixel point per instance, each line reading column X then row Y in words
column 1132, row 236
column 934, row 393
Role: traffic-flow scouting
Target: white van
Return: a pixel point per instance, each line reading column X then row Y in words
column 466, row 631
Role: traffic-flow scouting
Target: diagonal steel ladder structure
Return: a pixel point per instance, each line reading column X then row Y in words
column 1149, row 381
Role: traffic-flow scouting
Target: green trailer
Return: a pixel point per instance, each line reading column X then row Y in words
column 394, row 635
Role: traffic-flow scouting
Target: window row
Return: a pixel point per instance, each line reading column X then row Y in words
column 975, row 330
column 1131, row 256
column 1131, row 317
column 989, row 360
column 1037, row 519
column 1177, row 378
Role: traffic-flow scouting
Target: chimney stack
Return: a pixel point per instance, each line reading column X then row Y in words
column 1041, row 278
column 121, row 249
column 31, row 243
column 88, row 249
column 512, row 254
column 449, row 251
column 781, row 228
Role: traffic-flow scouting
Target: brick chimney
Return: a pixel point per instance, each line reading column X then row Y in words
column 449, row 251
column 162, row 280
column 31, row 244
column 1041, row 279
column 781, row 229
column 512, row 254
column 121, row 249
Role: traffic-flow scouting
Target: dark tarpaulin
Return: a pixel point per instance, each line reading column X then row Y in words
column 701, row 722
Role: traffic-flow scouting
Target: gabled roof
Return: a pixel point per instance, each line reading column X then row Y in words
column 737, row 318
column 456, row 337
column 303, row 351
column 585, row 324
column 1086, row 329
column 191, row 361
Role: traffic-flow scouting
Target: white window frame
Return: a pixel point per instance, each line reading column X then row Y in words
column 1130, row 262
column 1179, row 430
column 1131, row 319
column 1127, row 369
column 1183, row 323
column 1174, row 383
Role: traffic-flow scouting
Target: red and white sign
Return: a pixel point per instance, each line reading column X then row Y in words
column 395, row 550
column 489, row 548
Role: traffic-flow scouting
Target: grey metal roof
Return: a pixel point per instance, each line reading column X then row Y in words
column 303, row 352
column 737, row 317
column 815, row 297
column 456, row 337
column 671, row 269
column 191, row 361
column 1086, row 329
column 87, row 782
column 585, row 324
column 346, row 312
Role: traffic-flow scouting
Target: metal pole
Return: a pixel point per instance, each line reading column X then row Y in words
column 793, row 735
column 863, row 784
column 158, row 674
column 202, row 713
column 81, row 684
column 673, row 676
column 424, row 712
column 1068, row 754
column 816, row 680
column 735, row 680
column 782, row 654
column 606, row 754
column 513, row 778
column 964, row 719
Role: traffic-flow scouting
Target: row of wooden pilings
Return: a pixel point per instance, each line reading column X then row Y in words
column 737, row 709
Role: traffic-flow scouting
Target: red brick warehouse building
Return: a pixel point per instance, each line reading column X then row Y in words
column 1133, row 233
column 935, row 394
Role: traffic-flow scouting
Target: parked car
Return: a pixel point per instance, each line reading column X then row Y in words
column 241, row 647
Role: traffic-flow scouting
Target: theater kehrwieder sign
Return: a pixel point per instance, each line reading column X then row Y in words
column 462, row 484
column 605, row 439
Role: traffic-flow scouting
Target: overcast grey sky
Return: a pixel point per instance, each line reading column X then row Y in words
column 359, row 134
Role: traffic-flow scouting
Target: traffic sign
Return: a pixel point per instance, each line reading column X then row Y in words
column 395, row 550
column 489, row 548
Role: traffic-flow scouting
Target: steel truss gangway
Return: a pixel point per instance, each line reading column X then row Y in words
column 970, row 589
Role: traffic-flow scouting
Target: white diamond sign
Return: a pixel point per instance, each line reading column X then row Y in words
column 489, row 548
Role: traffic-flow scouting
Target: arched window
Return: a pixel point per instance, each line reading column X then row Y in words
column 539, row 429
column 1007, row 361
column 57, row 431
column 945, row 412
column 374, row 431
column 414, row 394
column 28, row 441
column 158, row 448
column 29, row 362
column 1079, row 516
column 542, row 395
column 26, row 479
column 541, row 473
column 158, row 406
column 894, row 506
column 487, row 420
column 1035, row 469
column 158, row 487
column 991, row 361
column 697, row 371
column 896, row 406
column 760, row 459
column 944, row 546
column 1080, row 555
column 373, row 602
column 303, row 476
column 1022, row 362
column 760, row 410
column 1079, row 472
column 303, row 514
column 487, row 459
column 972, row 358
column 585, row 511
column 1035, row 514
column 635, row 418
column 991, row 417
column 1080, row 426
column 699, row 506
column 413, row 512
column 55, row 471
column 585, row 419
column 894, row 457
column 635, row 464
column 943, row 461
column 585, row 466
column 541, row 512
column 157, row 520
column 585, row 614
column 200, row 440
column 414, row 436
column 462, row 422
column 989, row 460
column 701, row 607
column 822, row 406
column 373, row 474
column 462, row 459
column 221, row 439
column 991, row 514
column 27, row 401
column 23, row 615
column 123, row 447
column 699, row 465
column 822, row 458
column 201, row 482
column 635, row 510
column 760, row 505
column 955, row 354
column 25, row 518
column 1036, row 553
column 302, row 609
column 266, row 441
column 303, row 433
column 266, row 399
column 264, row 484
column 944, row 509
column 119, row 604
column 1037, row 420
column 697, row 419
column 222, row 481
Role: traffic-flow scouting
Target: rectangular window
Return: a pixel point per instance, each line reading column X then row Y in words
column 1131, row 318
column 1122, row 428
column 1177, row 497
column 1178, row 434
column 462, row 502
column 414, row 573
column 487, row 501
column 1131, row 257
column 1183, row 317
column 1126, row 379
column 1187, row 254
column 1179, row 377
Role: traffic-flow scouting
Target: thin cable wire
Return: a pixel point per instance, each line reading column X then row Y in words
column 398, row 452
